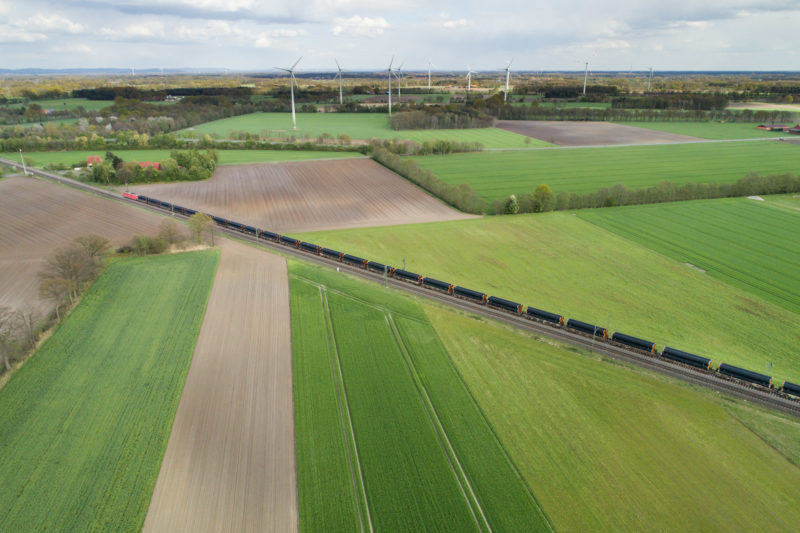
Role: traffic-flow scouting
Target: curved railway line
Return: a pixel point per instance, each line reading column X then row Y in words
column 765, row 397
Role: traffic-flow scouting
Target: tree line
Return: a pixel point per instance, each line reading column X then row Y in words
column 434, row 118
column 186, row 165
column 543, row 199
column 461, row 197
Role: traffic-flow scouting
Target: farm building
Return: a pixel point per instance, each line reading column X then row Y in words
column 795, row 130
column 145, row 164
column 773, row 127
column 92, row 159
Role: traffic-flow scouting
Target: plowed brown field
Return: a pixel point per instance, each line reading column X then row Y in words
column 230, row 464
column 307, row 195
column 37, row 217
column 575, row 133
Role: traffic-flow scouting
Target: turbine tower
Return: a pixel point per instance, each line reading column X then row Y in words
column 339, row 75
column 649, row 79
column 429, row 74
column 292, row 83
column 508, row 76
column 470, row 72
column 389, row 70
column 585, row 77
column 399, row 76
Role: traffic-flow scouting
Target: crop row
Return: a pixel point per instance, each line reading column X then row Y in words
column 84, row 425
column 495, row 175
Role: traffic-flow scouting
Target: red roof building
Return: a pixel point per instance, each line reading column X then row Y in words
column 92, row 159
column 145, row 164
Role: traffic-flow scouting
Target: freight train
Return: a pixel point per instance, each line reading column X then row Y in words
column 593, row 331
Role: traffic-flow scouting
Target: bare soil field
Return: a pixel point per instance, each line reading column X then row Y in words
column 37, row 217
column 230, row 463
column 566, row 133
column 307, row 196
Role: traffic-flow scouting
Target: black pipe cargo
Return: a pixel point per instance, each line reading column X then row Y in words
column 269, row 235
column 347, row 258
column 791, row 388
column 591, row 329
column 189, row 212
column 508, row 305
column 219, row 220
column 436, row 284
column 331, row 253
column 288, row 240
column 378, row 267
column 544, row 315
column 685, row 358
column 251, row 230
column 166, row 205
column 405, row 274
column 469, row 293
column 745, row 375
column 309, row 247
column 633, row 341
column 178, row 209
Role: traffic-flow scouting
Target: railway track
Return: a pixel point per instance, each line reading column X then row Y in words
column 681, row 372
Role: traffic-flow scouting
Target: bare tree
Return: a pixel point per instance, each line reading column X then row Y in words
column 57, row 290
column 170, row 231
column 96, row 245
column 75, row 265
column 28, row 320
column 8, row 335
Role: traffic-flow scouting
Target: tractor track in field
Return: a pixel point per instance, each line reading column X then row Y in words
column 680, row 372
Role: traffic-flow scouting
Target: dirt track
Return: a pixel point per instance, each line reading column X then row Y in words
column 230, row 464
column 566, row 133
column 37, row 217
column 307, row 195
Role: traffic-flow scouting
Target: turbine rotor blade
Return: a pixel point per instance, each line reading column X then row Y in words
column 296, row 62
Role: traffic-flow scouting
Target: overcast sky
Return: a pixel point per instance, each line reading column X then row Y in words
column 485, row 34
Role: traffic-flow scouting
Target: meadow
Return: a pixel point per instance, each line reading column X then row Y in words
column 709, row 130
column 746, row 243
column 84, row 424
column 356, row 126
column 388, row 436
column 608, row 447
column 561, row 263
column 496, row 175
column 66, row 104
column 226, row 157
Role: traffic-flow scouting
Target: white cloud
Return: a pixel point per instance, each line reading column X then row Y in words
column 9, row 34
column 77, row 48
column 451, row 24
column 357, row 26
column 54, row 21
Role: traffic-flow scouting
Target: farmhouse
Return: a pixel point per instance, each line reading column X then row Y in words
column 92, row 159
column 773, row 127
column 795, row 130
column 145, row 164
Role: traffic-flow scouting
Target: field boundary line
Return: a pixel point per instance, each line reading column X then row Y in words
column 344, row 413
column 433, row 416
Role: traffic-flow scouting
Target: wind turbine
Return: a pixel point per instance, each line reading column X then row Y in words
column 470, row 72
column 399, row 76
column 586, row 73
column 339, row 75
column 389, row 70
column 649, row 79
column 429, row 74
column 292, row 83
column 508, row 76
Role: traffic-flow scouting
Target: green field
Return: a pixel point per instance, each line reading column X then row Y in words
column 226, row 157
column 743, row 242
column 495, row 175
column 709, row 130
column 357, row 126
column 387, row 433
column 67, row 104
column 84, row 424
column 563, row 264
column 610, row 448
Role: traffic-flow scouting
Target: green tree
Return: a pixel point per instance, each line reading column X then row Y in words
column 545, row 199
column 200, row 223
column 512, row 206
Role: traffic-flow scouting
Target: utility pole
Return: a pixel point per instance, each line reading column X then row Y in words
column 24, row 170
